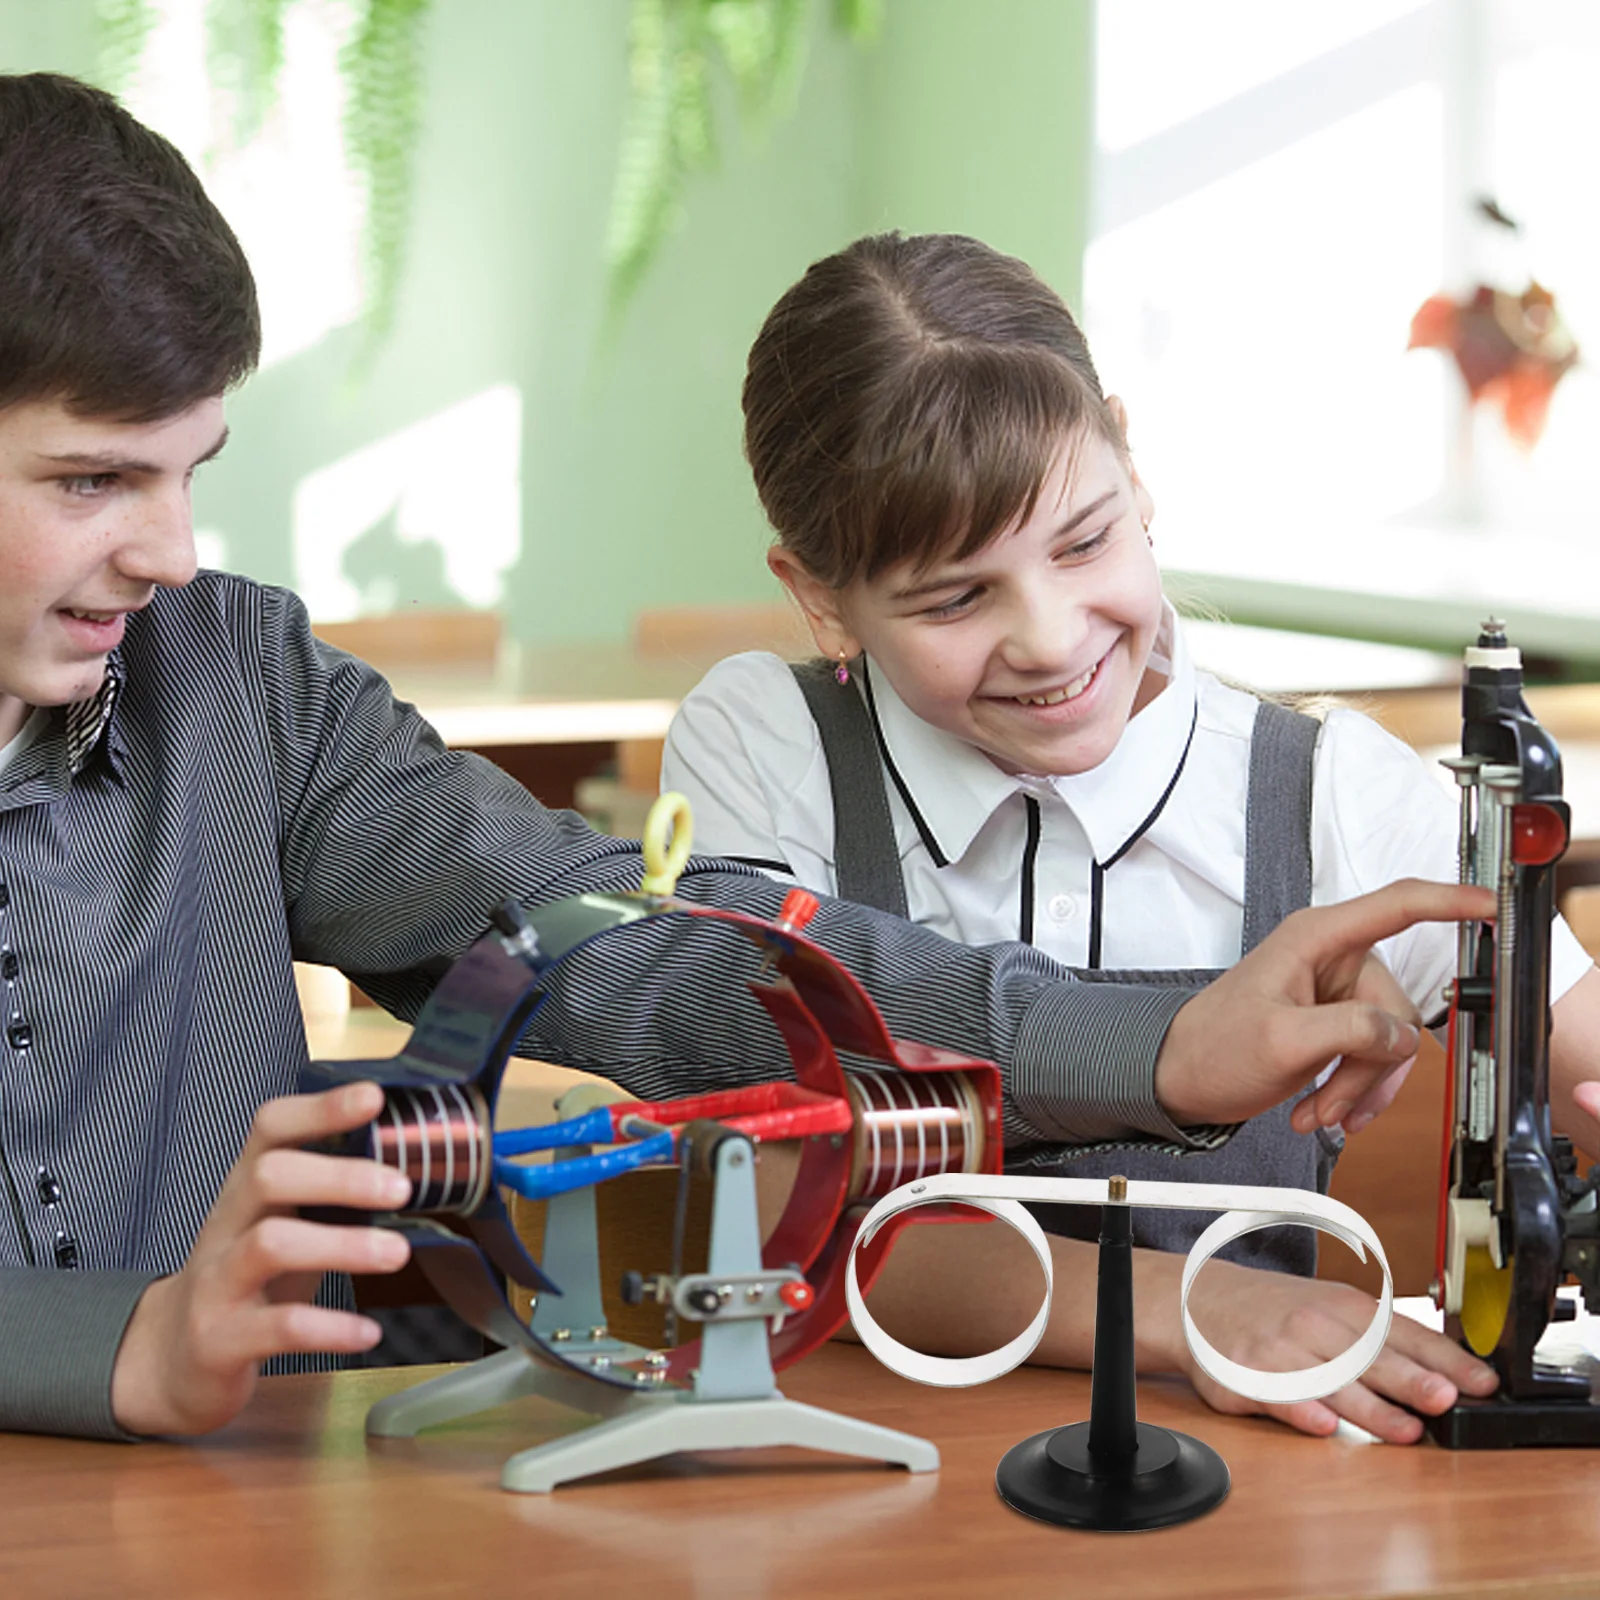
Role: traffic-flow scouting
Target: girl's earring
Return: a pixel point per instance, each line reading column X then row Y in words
column 841, row 673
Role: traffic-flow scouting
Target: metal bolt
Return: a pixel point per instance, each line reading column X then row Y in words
column 1119, row 1188
column 599, row 1363
column 560, row 1335
column 754, row 1292
column 917, row 1188
column 655, row 1359
column 598, row 1331
column 1436, row 1291
column 736, row 1158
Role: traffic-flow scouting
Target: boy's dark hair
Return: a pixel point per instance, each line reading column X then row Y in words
column 906, row 399
column 123, row 292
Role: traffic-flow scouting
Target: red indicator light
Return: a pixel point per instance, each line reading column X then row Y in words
column 797, row 1296
column 1538, row 835
column 799, row 907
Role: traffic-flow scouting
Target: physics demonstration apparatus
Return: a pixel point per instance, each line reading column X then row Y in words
column 1515, row 1218
column 902, row 1132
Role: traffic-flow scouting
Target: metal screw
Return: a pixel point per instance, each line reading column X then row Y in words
column 736, row 1158
column 598, row 1331
column 599, row 1363
column 917, row 1188
column 655, row 1359
column 1119, row 1188
column 560, row 1335
column 754, row 1292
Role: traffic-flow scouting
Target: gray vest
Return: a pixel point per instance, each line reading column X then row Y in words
column 1277, row 877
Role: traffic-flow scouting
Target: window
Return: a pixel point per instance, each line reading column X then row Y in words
column 1277, row 189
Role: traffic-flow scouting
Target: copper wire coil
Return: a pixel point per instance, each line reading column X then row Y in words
column 911, row 1125
column 441, row 1138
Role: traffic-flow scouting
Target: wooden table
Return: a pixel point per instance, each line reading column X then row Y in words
column 293, row 1500
column 553, row 717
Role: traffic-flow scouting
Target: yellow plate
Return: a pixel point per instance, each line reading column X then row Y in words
column 1485, row 1299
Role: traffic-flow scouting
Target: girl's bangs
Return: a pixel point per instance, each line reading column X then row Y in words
column 981, row 438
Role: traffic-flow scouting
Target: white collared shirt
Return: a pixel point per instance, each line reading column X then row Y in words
column 745, row 750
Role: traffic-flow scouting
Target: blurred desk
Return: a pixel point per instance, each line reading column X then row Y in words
column 292, row 1499
column 552, row 717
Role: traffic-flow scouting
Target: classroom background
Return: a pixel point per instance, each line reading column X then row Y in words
column 1247, row 203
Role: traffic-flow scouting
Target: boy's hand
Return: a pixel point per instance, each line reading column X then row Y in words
column 1276, row 1323
column 189, row 1357
column 1309, row 993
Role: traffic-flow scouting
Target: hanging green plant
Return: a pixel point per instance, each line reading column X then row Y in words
column 121, row 29
column 381, row 64
column 676, row 49
column 673, row 49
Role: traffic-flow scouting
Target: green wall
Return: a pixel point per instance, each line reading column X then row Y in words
column 963, row 116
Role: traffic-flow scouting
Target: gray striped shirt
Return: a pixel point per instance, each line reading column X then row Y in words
column 239, row 795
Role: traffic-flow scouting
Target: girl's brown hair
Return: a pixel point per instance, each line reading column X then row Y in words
column 906, row 399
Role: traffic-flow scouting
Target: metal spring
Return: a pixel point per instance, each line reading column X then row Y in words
column 441, row 1138
column 911, row 1125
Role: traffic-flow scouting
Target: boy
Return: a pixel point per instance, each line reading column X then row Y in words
column 194, row 792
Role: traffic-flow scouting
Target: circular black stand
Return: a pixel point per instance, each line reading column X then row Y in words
column 1170, row 1479
column 1112, row 1472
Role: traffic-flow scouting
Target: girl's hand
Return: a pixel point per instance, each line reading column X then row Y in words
column 1309, row 993
column 1276, row 1322
column 189, row 1358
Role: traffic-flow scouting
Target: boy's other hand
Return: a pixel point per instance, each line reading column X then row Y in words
column 189, row 1358
column 1309, row 994
column 1276, row 1323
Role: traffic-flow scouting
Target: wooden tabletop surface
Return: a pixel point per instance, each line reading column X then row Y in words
column 293, row 1499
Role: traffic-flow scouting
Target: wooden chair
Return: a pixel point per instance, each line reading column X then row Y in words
column 417, row 640
column 708, row 633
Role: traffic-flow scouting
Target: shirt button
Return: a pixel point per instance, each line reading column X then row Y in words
column 49, row 1187
column 9, row 965
column 66, row 1251
column 1062, row 906
column 20, row 1035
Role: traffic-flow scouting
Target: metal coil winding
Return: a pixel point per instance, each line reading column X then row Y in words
column 911, row 1125
column 440, row 1138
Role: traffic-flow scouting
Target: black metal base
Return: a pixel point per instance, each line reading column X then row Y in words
column 1172, row 1478
column 1499, row 1423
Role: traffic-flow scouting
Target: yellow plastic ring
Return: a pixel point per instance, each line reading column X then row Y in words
column 670, row 817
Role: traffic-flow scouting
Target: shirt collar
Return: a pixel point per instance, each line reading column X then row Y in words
column 87, row 721
column 952, row 789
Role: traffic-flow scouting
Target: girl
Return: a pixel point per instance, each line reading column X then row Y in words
column 1010, row 741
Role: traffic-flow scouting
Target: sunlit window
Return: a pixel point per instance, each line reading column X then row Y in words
column 1277, row 189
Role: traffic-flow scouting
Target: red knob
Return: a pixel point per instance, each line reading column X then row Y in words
column 796, row 1294
column 799, row 907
